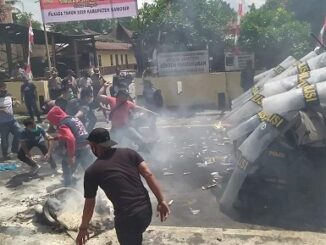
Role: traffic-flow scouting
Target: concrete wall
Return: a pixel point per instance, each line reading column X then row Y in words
column 197, row 89
column 14, row 90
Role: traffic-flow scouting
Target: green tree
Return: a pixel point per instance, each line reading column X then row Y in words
column 24, row 18
column 77, row 27
column 273, row 33
column 182, row 25
column 312, row 11
column 184, row 21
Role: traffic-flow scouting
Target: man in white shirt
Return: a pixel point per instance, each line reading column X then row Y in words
column 8, row 123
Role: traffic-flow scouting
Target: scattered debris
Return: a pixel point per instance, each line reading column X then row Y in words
column 194, row 211
column 202, row 165
column 7, row 166
column 170, row 202
column 208, row 187
column 24, row 216
column 218, row 125
column 216, row 176
column 168, row 173
column 226, row 163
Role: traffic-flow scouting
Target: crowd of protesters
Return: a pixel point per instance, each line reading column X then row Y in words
column 72, row 137
column 72, row 111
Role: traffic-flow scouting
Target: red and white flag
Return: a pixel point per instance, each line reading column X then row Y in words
column 239, row 17
column 28, row 69
column 322, row 32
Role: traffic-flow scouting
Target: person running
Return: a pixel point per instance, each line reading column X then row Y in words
column 83, row 109
column 35, row 136
column 71, row 135
column 97, row 81
column 116, row 81
column 29, row 97
column 66, row 95
column 85, row 81
column 153, row 97
column 120, row 117
column 8, row 123
column 118, row 172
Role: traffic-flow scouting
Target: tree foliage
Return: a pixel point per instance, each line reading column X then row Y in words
column 274, row 33
column 24, row 18
column 78, row 27
column 183, row 23
column 312, row 11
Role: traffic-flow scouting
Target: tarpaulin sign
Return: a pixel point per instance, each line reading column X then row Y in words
column 75, row 10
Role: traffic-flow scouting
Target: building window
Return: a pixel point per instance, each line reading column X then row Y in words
column 99, row 57
column 126, row 59
column 121, row 57
column 116, row 60
column 111, row 58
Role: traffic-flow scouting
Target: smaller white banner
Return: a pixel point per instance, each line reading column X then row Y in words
column 183, row 62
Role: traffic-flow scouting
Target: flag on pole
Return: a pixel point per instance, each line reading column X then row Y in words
column 322, row 31
column 28, row 69
column 240, row 14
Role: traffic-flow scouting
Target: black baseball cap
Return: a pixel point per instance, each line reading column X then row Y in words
column 101, row 136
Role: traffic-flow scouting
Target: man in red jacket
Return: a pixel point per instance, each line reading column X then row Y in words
column 73, row 137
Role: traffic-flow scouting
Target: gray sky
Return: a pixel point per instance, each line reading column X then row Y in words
column 31, row 6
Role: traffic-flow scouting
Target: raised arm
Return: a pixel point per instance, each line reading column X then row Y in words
column 102, row 94
column 145, row 110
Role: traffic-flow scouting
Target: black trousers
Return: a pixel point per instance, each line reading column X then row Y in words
column 130, row 230
column 54, row 93
column 42, row 146
column 32, row 108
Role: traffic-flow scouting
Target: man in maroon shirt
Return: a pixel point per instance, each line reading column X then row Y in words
column 120, row 116
column 118, row 171
column 72, row 136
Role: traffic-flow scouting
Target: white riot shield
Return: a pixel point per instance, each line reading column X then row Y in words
column 309, row 65
column 247, row 110
column 288, row 62
column 297, row 99
column 289, row 83
column 251, row 149
column 299, row 65
column 249, row 125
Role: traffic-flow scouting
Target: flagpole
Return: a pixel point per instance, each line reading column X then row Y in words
column 46, row 40
column 47, row 46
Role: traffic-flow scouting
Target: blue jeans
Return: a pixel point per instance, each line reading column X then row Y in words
column 5, row 129
column 83, row 156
